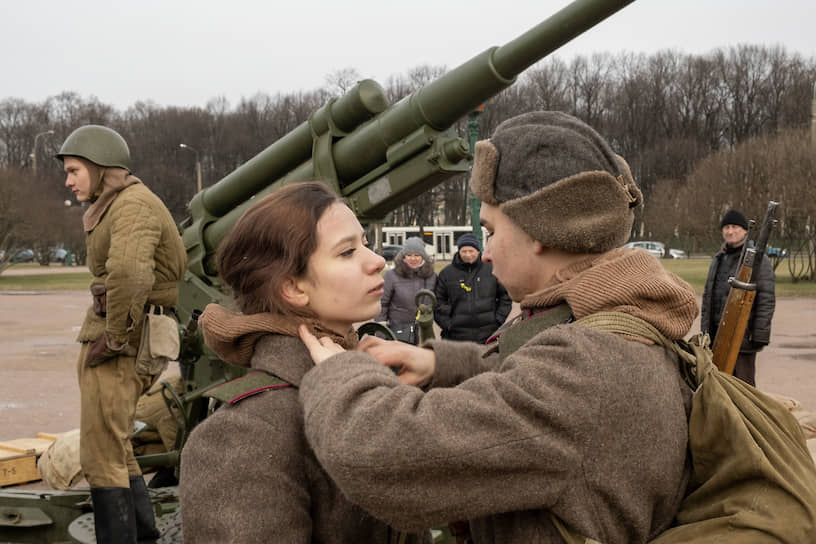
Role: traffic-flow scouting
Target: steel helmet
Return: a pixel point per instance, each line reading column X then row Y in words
column 98, row 144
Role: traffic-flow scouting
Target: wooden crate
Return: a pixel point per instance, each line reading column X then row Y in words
column 18, row 459
column 28, row 445
column 18, row 469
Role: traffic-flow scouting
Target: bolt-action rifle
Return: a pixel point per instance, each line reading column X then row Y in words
column 741, row 297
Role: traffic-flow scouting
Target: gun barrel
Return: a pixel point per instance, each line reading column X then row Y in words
column 442, row 102
column 359, row 104
column 517, row 55
column 354, row 141
column 376, row 156
column 768, row 223
column 439, row 105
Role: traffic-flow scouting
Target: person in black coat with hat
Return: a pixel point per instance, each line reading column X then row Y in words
column 724, row 265
column 471, row 303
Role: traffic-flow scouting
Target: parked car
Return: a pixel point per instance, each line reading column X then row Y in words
column 777, row 255
column 655, row 248
column 23, row 256
column 57, row 255
column 658, row 249
column 390, row 251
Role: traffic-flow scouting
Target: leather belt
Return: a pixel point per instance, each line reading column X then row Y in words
column 160, row 310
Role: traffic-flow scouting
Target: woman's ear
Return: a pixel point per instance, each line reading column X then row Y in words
column 292, row 293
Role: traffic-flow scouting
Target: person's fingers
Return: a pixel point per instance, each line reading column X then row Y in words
column 319, row 349
column 388, row 353
column 382, row 352
column 306, row 337
column 369, row 341
column 312, row 344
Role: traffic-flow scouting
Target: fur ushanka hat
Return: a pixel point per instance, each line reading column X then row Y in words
column 558, row 180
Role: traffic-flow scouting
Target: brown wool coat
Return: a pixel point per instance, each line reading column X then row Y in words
column 587, row 425
column 248, row 474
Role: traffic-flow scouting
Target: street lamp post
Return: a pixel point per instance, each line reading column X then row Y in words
column 69, row 257
column 197, row 164
column 813, row 118
column 34, row 149
column 475, row 203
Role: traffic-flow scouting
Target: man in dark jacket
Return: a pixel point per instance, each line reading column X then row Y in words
column 724, row 265
column 471, row 303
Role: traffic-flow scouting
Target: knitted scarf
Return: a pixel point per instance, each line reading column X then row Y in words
column 232, row 336
column 105, row 186
column 622, row 280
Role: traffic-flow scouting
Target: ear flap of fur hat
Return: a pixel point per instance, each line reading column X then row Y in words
column 559, row 180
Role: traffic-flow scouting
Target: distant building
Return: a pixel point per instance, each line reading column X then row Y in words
column 440, row 242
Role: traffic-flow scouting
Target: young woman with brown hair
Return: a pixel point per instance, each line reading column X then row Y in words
column 297, row 257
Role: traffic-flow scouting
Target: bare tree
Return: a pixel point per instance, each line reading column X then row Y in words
column 681, row 121
column 777, row 167
column 340, row 81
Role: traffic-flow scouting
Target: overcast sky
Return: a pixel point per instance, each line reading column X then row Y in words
column 185, row 53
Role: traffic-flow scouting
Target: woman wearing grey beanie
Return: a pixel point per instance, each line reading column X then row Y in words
column 413, row 270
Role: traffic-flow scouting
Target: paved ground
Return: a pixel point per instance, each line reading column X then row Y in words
column 25, row 270
column 39, row 393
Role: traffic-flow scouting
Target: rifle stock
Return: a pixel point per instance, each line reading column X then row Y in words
column 734, row 320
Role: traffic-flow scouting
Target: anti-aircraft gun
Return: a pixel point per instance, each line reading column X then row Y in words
column 377, row 156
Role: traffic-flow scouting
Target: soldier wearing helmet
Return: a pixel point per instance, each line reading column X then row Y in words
column 99, row 146
column 136, row 257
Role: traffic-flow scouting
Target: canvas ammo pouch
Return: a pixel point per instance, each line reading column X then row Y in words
column 159, row 344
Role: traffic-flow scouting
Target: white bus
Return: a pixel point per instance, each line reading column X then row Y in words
column 440, row 242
